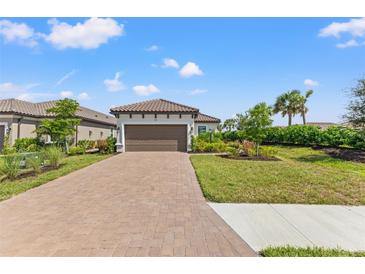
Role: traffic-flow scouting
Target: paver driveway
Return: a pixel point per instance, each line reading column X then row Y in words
column 132, row 204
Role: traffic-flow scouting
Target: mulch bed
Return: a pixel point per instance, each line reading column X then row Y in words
column 250, row 158
column 344, row 154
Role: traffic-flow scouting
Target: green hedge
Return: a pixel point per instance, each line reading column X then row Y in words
column 334, row 136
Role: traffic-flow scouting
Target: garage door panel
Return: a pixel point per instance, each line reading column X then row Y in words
column 156, row 137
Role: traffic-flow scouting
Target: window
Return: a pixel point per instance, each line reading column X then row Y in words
column 101, row 135
column 130, row 116
column 202, row 129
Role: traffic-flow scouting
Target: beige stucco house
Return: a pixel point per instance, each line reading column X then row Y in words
column 159, row 125
column 20, row 118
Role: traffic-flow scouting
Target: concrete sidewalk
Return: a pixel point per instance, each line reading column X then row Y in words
column 262, row 225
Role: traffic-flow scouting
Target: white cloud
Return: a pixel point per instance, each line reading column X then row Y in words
column 170, row 63
column 355, row 27
column 348, row 44
column 190, row 69
column 198, row 91
column 83, row 96
column 65, row 77
column 11, row 88
column 66, row 94
column 114, row 85
column 31, row 97
column 153, row 48
column 19, row 33
column 87, row 35
column 310, row 83
column 145, row 90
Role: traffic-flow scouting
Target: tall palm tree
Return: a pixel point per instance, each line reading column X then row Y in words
column 288, row 104
column 303, row 107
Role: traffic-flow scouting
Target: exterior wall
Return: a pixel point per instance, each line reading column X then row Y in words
column 149, row 119
column 93, row 131
column 29, row 124
column 210, row 127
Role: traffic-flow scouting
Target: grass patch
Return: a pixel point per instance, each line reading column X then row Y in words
column 303, row 176
column 9, row 189
column 289, row 251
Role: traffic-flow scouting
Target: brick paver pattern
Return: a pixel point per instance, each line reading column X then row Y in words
column 132, row 204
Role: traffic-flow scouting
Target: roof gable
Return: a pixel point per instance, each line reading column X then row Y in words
column 155, row 106
column 40, row 110
column 203, row 118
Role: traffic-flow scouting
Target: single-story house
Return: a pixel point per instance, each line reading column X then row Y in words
column 159, row 125
column 20, row 118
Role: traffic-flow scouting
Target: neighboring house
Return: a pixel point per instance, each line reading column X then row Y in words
column 159, row 125
column 20, row 119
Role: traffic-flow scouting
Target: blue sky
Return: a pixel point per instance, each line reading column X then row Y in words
column 222, row 66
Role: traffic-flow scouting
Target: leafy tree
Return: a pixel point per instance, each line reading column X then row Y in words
column 356, row 108
column 255, row 123
column 302, row 104
column 63, row 125
column 229, row 124
column 289, row 104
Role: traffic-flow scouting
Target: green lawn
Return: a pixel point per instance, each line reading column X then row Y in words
column 303, row 176
column 288, row 251
column 11, row 188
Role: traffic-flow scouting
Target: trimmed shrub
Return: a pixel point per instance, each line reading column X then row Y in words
column 111, row 141
column 336, row 136
column 54, row 156
column 76, row 150
column 27, row 145
column 10, row 166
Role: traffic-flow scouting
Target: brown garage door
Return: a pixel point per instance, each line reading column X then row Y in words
column 155, row 138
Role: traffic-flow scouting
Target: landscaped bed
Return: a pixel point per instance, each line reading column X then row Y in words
column 304, row 175
column 10, row 188
column 289, row 251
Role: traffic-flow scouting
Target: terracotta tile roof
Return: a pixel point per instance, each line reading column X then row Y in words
column 203, row 118
column 40, row 110
column 158, row 105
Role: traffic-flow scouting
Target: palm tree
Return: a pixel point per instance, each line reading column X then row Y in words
column 288, row 104
column 303, row 107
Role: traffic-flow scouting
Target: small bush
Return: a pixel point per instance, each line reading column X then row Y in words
column 7, row 150
column 10, row 166
column 200, row 145
column 76, row 150
column 111, row 141
column 248, row 146
column 232, row 151
column 87, row 144
column 26, row 145
column 268, row 152
column 54, row 156
column 35, row 163
column 102, row 145
column 251, row 152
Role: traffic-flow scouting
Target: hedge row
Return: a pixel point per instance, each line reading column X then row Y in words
column 334, row 136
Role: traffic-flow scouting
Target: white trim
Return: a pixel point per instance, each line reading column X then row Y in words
column 123, row 137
